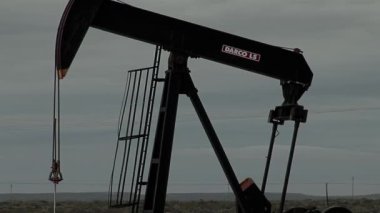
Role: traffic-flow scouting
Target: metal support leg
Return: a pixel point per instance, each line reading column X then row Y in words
column 178, row 81
column 217, row 146
column 289, row 166
column 152, row 176
column 159, row 169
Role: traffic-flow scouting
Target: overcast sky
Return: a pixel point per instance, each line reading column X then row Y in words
column 340, row 40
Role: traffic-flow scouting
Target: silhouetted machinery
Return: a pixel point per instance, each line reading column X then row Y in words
column 183, row 40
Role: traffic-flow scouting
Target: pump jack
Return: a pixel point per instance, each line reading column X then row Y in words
column 183, row 40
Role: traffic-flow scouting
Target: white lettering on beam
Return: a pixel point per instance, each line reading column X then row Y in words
column 241, row 53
